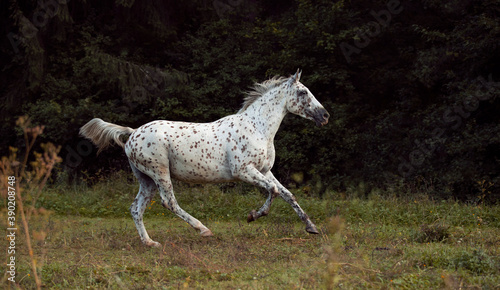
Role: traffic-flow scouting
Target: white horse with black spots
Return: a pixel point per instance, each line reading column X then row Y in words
column 236, row 147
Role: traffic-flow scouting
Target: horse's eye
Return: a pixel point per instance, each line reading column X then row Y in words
column 302, row 93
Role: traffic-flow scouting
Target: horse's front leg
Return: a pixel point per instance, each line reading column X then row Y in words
column 290, row 198
column 253, row 176
column 264, row 210
column 274, row 187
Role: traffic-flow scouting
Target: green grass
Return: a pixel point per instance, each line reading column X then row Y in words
column 87, row 239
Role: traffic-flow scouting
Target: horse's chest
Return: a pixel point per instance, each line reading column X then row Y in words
column 263, row 158
column 271, row 155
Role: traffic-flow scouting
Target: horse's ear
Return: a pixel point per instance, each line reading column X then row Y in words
column 296, row 77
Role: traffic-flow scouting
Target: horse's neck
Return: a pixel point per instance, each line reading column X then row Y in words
column 267, row 112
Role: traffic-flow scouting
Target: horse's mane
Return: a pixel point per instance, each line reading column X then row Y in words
column 259, row 89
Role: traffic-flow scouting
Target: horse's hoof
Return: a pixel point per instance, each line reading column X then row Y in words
column 312, row 229
column 152, row 244
column 251, row 216
column 206, row 233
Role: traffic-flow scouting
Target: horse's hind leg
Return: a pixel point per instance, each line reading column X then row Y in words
column 168, row 200
column 146, row 192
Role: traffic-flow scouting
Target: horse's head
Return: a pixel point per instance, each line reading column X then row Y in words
column 301, row 101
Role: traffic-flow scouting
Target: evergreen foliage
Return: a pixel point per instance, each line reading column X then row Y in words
column 412, row 86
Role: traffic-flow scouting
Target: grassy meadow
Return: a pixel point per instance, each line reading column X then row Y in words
column 85, row 238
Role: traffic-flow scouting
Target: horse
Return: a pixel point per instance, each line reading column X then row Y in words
column 238, row 147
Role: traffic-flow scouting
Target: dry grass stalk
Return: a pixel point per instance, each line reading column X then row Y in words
column 29, row 181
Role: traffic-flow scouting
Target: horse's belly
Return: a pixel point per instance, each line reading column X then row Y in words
column 197, row 171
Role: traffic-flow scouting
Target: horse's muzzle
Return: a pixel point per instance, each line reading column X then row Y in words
column 320, row 116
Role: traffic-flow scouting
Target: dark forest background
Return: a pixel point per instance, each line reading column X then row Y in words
column 412, row 86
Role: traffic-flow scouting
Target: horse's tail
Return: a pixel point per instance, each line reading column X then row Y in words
column 101, row 133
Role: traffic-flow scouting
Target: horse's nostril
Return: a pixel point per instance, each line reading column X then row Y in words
column 326, row 115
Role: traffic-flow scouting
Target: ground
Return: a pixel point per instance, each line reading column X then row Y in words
column 84, row 238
